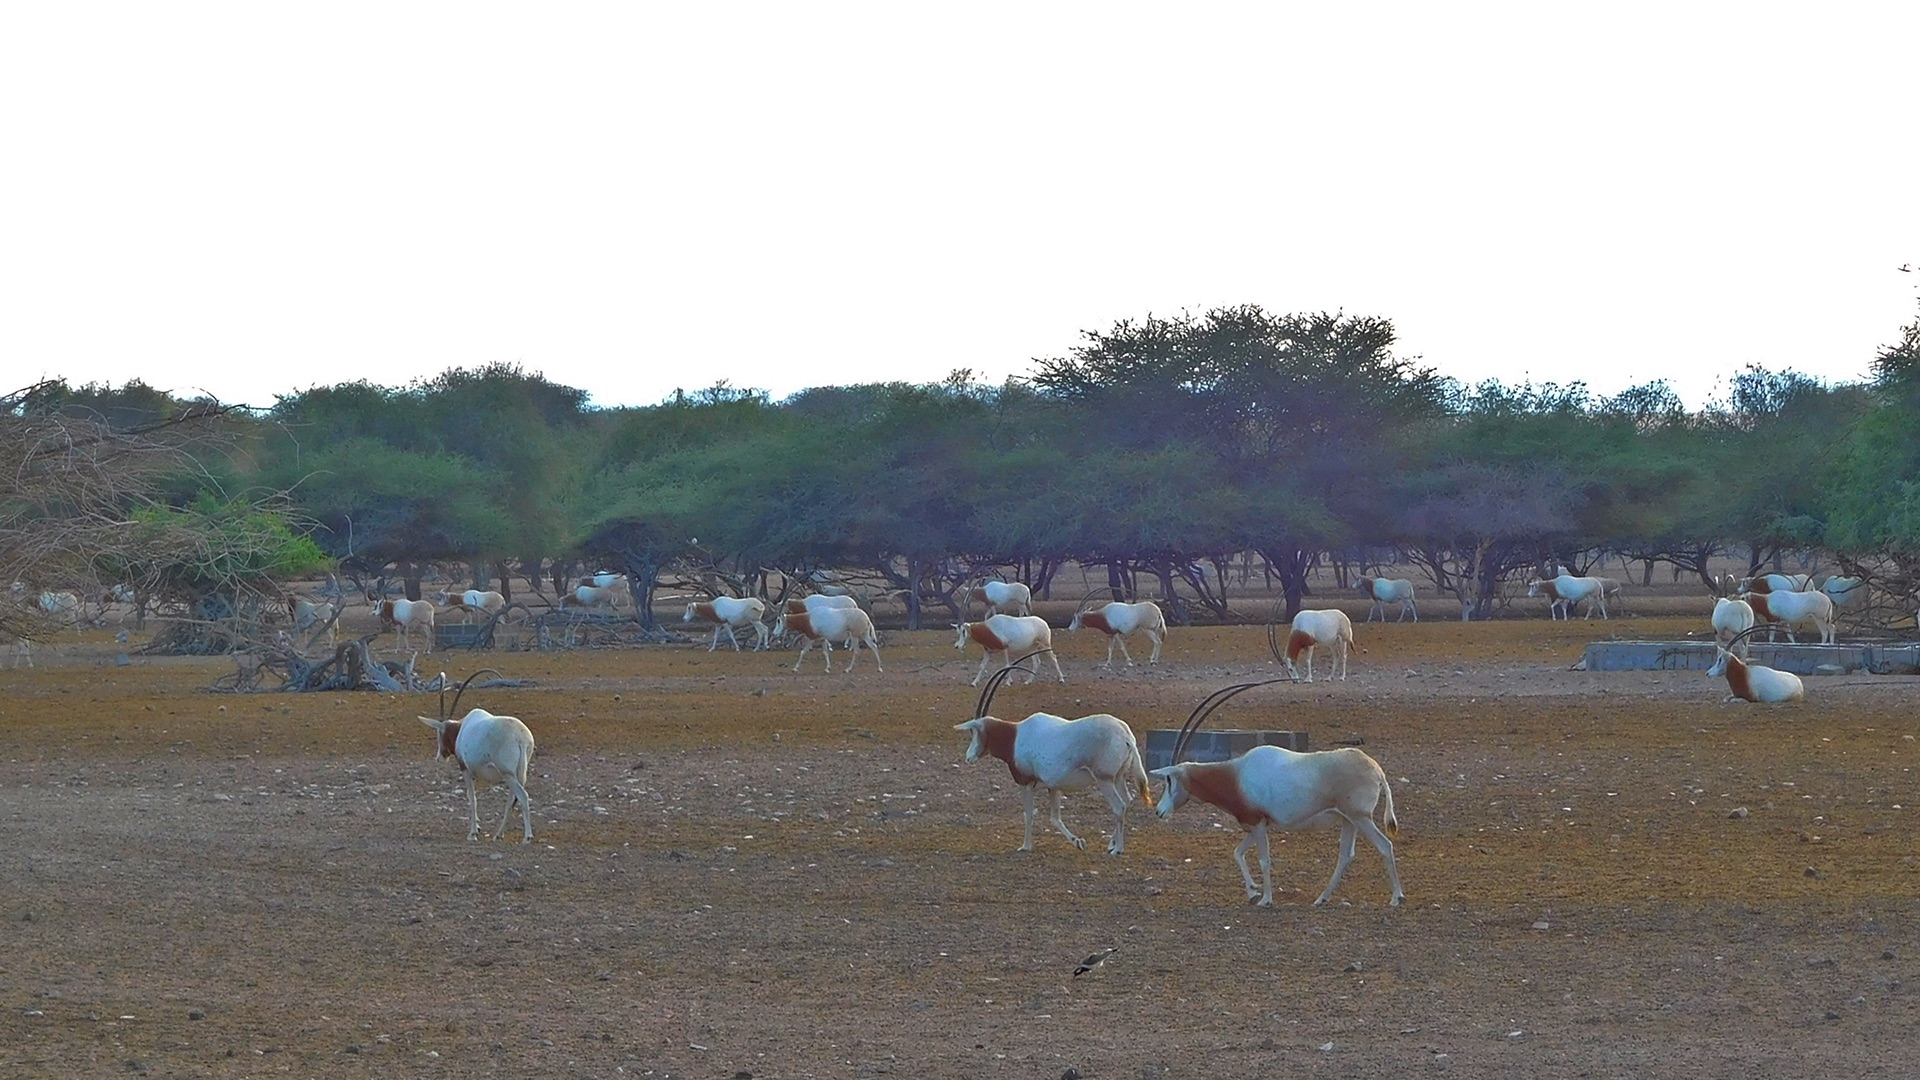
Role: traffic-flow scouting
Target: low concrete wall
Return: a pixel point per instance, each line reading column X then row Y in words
column 1879, row 658
column 1215, row 744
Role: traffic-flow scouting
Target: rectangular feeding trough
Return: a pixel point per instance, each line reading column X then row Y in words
column 1210, row 744
column 1806, row 659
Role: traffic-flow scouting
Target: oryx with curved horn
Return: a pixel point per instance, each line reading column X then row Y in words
column 1755, row 682
column 1270, row 787
column 1049, row 752
column 1119, row 620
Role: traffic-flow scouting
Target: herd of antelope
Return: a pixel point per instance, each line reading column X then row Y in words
column 1264, row 789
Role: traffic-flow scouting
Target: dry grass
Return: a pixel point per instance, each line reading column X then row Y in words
column 744, row 870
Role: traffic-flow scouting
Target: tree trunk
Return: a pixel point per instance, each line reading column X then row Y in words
column 1290, row 565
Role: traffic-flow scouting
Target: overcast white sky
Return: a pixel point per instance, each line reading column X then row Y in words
column 255, row 198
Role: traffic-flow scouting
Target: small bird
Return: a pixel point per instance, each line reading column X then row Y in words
column 1092, row 962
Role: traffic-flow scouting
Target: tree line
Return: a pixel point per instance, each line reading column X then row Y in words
column 1160, row 447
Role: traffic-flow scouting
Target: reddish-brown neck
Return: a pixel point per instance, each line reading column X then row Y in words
column 1218, row 782
column 1739, row 679
column 1298, row 642
column 985, row 638
column 996, row 739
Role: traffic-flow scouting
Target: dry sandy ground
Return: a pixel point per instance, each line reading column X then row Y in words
column 739, row 870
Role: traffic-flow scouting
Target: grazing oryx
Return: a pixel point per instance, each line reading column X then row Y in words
column 1313, row 628
column 1384, row 591
column 1731, row 620
column 496, row 749
column 1118, row 621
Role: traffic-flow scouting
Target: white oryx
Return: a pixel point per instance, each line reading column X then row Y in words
column 1313, row 628
column 1731, row 620
column 828, row 625
column 1014, row 637
column 1777, row 583
column 1845, row 592
column 728, row 613
column 1384, row 591
column 1565, row 590
column 1118, row 621
column 1757, row 682
column 1002, row 597
column 482, row 602
column 592, row 597
column 496, row 749
column 408, row 616
column 1050, row 752
column 1269, row 787
column 308, row 613
column 1792, row 609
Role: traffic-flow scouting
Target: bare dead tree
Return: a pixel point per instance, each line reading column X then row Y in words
column 83, row 504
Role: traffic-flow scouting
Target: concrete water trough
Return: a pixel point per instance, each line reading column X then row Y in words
column 461, row 636
column 1879, row 658
column 1215, row 744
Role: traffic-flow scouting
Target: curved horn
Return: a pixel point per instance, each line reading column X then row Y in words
column 463, row 686
column 986, row 692
column 1735, row 639
column 1205, row 709
column 1273, row 631
column 1084, row 606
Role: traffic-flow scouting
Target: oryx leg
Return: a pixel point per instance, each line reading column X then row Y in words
column 1053, row 801
column 1256, row 835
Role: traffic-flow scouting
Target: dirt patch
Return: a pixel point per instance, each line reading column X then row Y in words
column 743, row 870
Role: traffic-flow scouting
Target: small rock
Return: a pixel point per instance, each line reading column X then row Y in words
column 196, row 1014
column 1811, row 872
column 1352, row 967
column 1888, row 955
column 1070, row 1074
column 1326, row 1048
column 1738, row 812
column 1541, row 925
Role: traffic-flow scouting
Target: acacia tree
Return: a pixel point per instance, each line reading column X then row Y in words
column 87, row 504
column 1873, row 486
column 1299, row 413
column 475, row 466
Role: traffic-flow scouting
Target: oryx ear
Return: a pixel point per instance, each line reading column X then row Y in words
column 971, row 725
column 432, row 723
column 1162, row 773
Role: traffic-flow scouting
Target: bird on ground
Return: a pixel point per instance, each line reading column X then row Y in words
column 1092, row 962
